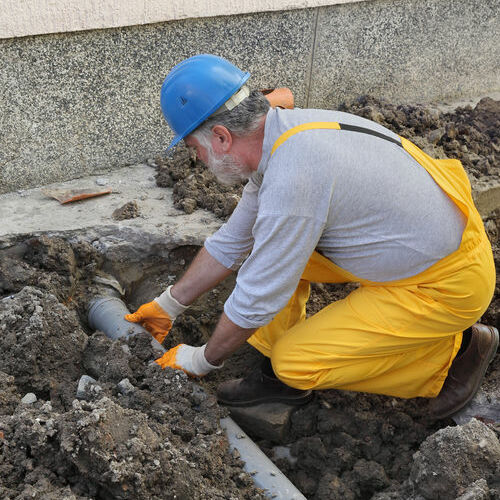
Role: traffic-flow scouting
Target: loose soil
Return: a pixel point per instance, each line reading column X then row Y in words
column 157, row 434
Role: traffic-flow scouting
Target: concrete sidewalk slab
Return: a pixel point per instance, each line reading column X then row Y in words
column 33, row 212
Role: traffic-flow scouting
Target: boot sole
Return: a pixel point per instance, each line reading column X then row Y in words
column 491, row 356
column 300, row 400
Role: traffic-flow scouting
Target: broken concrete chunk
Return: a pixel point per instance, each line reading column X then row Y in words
column 449, row 461
column 476, row 491
column 84, row 386
column 29, row 399
column 125, row 387
column 267, row 421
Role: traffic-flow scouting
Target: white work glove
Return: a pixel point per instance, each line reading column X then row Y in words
column 188, row 359
column 170, row 305
column 158, row 315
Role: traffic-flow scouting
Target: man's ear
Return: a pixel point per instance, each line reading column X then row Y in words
column 222, row 140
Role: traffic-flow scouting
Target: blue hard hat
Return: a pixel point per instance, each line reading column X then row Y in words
column 196, row 88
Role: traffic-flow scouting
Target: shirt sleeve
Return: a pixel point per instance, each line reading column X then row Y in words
column 234, row 240
column 270, row 275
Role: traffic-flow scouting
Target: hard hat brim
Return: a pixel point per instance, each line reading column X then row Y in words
column 175, row 141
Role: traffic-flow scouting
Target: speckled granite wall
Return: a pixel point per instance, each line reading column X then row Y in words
column 406, row 50
column 80, row 103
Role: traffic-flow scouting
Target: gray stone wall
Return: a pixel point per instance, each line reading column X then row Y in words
column 80, row 103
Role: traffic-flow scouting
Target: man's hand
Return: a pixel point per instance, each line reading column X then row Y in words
column 158, row 315
column 189, row 359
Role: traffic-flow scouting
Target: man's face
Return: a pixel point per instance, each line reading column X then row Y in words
column 226, row 169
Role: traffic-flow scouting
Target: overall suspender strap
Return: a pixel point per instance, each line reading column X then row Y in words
column 332, row 126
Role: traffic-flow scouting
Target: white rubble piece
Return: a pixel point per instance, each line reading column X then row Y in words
column 29, row 399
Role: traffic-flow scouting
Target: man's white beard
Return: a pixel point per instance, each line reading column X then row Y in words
column 226, row 170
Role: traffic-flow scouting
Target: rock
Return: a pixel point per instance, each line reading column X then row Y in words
column 283, row 453
column 125, row 387
column 102, row 181
column 267, row 421
column 332, row 487
column 434, row 136
column 29, row 399
column 84, row 385
column 476, row 491
column 453, row 458
column 486, row 196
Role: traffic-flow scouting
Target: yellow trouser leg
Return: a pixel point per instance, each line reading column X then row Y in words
column 395, row 340
column 338, row 348
column 293, row 313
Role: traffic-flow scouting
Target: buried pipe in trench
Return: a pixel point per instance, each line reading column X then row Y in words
column 106, row 313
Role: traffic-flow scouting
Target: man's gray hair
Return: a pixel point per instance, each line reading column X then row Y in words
column 242, row 120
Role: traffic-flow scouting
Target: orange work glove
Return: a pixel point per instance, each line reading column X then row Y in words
column 153, row 318
column 189, row 359
column 158, row 315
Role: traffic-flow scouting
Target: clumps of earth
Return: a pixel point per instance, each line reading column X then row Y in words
column 194, row 186
column 128, row 211
column 133, row 431
column 471, row 135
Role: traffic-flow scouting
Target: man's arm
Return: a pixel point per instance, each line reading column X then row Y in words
column 202, row 275
column 226, row 338
column 198, row 361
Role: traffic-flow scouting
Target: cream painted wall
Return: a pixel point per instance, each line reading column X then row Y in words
column 34, row 17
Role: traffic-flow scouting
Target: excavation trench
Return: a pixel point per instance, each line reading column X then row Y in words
column 106, row 313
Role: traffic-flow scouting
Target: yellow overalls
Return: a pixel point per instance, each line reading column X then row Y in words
column 399, row 337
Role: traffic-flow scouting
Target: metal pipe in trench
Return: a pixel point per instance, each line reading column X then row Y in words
column 106, row 313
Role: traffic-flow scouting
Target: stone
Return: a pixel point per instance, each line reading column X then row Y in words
column 125, row 387
column 486, row 195
column 29, row 399
column 453, row 458
column 84, row 385
column 478, row 490
column 267, row 421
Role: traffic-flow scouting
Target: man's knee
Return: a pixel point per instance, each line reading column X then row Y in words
column 291, row 367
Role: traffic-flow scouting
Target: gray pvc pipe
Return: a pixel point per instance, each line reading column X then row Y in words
column 106, row 314
column 264, row 473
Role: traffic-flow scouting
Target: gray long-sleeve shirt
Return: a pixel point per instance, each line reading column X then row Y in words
column 360, row 200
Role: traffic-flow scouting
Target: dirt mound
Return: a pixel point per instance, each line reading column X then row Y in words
column 41, row 343
column 154, row 435
column 471, row 135
column 194, row 186
column 452, row 459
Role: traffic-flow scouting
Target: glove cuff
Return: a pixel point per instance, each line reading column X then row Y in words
column 170, row 305
column 200, row 363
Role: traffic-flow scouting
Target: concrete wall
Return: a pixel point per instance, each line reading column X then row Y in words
column 83, row 102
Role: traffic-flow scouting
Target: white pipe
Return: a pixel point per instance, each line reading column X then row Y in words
column 264, row 473
column 106, row 314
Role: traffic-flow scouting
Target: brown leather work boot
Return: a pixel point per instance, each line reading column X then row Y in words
column 466, row 372
column 257, row 388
